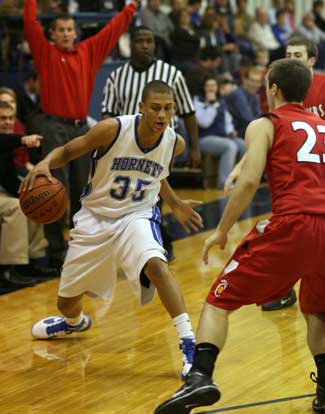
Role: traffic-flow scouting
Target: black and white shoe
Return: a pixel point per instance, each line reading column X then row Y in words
column 319, row 401
column 198, row 390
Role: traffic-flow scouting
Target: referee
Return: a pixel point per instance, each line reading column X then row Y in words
column 123, row 90
column 124, row 86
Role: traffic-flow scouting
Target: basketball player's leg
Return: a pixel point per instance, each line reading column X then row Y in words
column 316, row 344
column 311, row 297
column 144, row 263
column 168, row 289
column 247, row 278
column 84, row 271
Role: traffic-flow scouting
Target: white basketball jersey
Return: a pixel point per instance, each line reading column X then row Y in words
column 125, row 178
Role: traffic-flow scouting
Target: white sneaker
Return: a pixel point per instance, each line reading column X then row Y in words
column 56, row 326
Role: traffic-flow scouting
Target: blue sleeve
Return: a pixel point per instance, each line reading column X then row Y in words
column 239, row 107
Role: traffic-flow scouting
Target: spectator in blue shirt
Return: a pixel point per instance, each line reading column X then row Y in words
column 243, row 102
column 217, row 134
column 280, row 29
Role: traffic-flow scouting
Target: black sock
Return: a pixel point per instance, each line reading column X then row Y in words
column 205, row 357
column 320, row 363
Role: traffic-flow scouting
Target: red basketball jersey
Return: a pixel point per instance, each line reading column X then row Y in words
column 296, row 162
column 315, row 99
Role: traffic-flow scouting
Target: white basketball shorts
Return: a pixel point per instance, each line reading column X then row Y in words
column 99, row 246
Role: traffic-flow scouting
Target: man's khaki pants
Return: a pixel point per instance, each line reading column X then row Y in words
column 20, row 238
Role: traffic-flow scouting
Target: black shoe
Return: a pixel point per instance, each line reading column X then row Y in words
column 319, row 401
column 198, row 390
column 10, row 281
column 37, row 272
column 56, row 263
column 284, row 302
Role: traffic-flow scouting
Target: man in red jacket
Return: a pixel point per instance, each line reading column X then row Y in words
column 67, row 72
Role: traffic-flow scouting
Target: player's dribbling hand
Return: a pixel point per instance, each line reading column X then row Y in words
column 189, row 218
column 32, row 141
column 40, row 169
column 216, row 239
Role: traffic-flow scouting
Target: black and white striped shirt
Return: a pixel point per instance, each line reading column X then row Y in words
column 124, row 86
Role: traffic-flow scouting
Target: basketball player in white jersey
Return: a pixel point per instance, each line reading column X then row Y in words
column 118, row 224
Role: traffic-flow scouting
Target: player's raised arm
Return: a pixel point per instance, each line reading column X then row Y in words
column 102, row 135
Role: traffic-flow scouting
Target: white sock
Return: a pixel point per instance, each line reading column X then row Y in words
column 183, row 325
column 74, row 321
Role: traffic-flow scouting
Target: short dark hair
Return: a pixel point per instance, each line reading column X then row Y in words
column 317, row 3
column 292, row 76
column 157, row 86
column 62, row 17
column 280, row 12
column 210, row 53
column 311, row 47
column 137, row 29
column 6, row 105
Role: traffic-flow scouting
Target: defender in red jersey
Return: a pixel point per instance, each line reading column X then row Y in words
column 306, row 51
column 289, row 144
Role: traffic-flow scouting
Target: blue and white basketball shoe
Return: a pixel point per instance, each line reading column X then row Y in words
column 57, row 327
column 187, row 346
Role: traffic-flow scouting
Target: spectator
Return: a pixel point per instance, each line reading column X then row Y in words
column 21, row 241
column 194, row 7
column 67, row 74
column 318, row 10
column 176, row 6
column 226, row 85
column 223, row 7
column 290, row 7
column 262, row 60
column 218, row 136
column 309, row 30
column 242, row 25
column 153, row 17
column 214, row 34
column 28, row 102
column 186, row 43
column 261, row 34
column 21, row 155
column 276, row 6
column 10, row 8
column 124, row 86
column 242, row 20
column 209, row 64
column 280, row 28
column 243, row 102
column 262, row 57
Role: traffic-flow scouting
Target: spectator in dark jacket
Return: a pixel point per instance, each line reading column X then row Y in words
column 243, row 102
column 22, row 242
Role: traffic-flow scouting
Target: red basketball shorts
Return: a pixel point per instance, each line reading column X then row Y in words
column 270, row 260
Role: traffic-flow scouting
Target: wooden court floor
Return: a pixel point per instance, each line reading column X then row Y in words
column 129, row 361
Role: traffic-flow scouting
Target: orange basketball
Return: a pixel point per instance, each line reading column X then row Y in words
column 46, row 202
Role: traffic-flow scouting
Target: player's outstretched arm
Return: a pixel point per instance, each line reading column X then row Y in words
column 259, row 138
column 102, row 135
